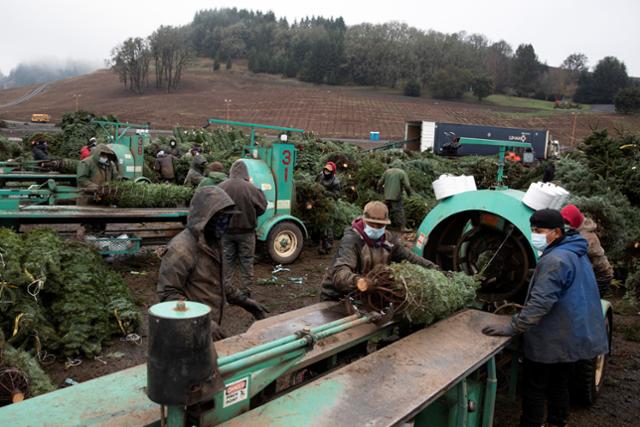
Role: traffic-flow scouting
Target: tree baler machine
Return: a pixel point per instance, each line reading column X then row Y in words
column 270, row 168
column 329, row 364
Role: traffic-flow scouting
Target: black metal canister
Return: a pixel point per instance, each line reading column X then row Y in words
column 181, row 360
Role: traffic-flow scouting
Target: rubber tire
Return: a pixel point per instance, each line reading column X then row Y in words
column 279, row 228
column 583, row 386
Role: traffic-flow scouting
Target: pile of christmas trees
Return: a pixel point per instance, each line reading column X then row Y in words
column 59, row 296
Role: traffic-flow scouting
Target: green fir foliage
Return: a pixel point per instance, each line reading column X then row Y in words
column 430, row 294
column 59, row 296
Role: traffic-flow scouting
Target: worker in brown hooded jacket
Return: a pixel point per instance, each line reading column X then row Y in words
column 366, row 244
column 602, row 269
column 239, row 242
column 191, row 267
column 164, row 165
column 196, row 172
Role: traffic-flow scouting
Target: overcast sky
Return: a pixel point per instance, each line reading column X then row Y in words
column 88, row 30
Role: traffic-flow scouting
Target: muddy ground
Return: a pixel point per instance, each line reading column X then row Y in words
column 618, row 404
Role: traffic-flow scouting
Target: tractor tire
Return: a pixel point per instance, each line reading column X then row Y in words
column 588, row 375
column 285, row 242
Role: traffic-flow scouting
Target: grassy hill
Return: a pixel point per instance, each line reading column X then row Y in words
column 330, row 111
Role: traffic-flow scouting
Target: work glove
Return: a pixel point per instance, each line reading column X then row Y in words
column 363, row 284
column 499, row 330
column 257, row 310
column 91, row 188
column 216, row 332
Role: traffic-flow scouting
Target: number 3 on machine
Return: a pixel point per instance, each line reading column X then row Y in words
column 235, row 392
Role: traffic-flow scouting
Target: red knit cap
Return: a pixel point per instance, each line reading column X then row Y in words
column 572, row 216
column 331, row 166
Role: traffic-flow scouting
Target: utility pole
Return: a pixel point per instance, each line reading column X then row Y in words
column 76, row 96
column 227, row 103
column 573, row 130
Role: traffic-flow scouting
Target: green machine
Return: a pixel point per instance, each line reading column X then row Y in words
column 271, row 169
column 318, row 366
column 129, row 149
column 487, row 232
column 327, row 364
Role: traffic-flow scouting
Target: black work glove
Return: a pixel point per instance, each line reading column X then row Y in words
column 216, row 332
column 257, row 310
column 499, row 330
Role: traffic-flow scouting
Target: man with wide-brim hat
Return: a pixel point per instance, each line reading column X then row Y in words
column 364, row 245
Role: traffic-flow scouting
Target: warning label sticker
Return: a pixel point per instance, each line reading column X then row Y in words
column 235, row 392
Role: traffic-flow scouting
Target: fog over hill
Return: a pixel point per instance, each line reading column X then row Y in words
column 44, row 71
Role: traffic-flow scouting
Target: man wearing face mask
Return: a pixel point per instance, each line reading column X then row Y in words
column 191, row 267
column 97, row 169
column 366, row 244
column 561, row 321
column 331, row 183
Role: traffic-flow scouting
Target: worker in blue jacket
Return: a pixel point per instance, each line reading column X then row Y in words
column 561, row 322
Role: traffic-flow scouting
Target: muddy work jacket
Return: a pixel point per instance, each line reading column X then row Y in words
column 191, row 268
column 601, row 266
column 91, row 173
column 249, row 199
column 356, row 257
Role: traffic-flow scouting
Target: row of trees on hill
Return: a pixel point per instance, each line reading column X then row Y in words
column 321, row 50
column 168, row 49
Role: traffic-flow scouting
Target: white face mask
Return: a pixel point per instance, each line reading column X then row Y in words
column 539, row 241
column 103, row 160
column 373, row 233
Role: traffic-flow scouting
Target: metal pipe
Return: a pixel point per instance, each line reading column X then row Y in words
column 284, row 340
column 339, row 328
column 287, row 347
column 490, row 394
column 463, row 405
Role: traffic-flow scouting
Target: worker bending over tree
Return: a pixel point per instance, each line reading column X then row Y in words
column 191, row 267
column 364, row 245
column 196, row 171
column 561, row 322
column 215, row 175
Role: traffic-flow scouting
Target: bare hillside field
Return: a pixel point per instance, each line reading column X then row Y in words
column 330, row 111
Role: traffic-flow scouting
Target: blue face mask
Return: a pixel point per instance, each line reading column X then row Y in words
column 539, row 241
column 373, row 233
